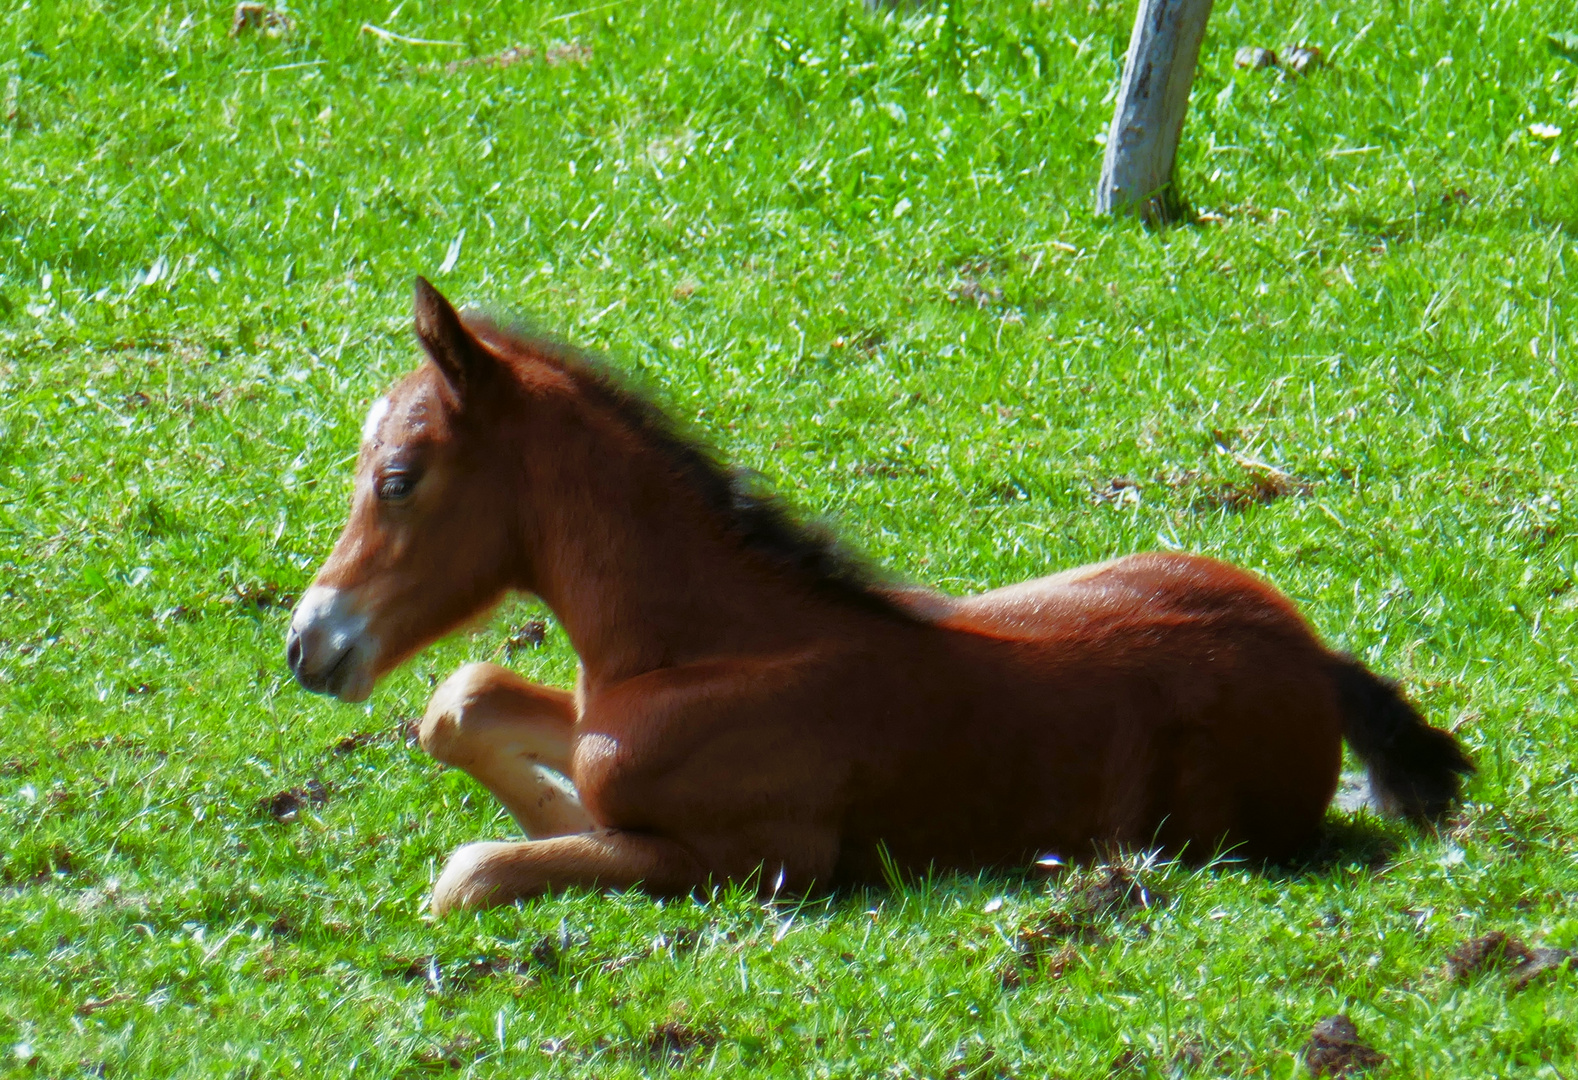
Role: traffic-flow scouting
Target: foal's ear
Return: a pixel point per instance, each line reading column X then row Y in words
column 446, row 340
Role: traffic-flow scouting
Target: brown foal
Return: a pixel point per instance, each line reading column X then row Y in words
column 749, row 704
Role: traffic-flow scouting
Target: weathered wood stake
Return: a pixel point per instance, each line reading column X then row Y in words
column 1137, row 171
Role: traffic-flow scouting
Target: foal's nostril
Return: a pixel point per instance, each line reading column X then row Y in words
column 293, row 651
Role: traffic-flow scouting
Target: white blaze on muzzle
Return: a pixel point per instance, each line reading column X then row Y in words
column 328, row 647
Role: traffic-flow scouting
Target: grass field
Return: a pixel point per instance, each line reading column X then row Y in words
column 857, row 254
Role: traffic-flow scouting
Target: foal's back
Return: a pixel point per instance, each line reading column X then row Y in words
column 1152, row 591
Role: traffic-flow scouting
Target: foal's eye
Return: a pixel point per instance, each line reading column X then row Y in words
column 394, row 486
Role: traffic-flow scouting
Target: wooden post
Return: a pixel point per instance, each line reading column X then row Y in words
column 1137, row 171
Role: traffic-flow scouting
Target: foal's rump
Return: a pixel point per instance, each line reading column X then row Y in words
column 1161, row 700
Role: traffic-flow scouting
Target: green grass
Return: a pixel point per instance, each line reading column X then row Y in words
column 856, row 253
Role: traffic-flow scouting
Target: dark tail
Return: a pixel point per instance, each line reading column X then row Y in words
column 1414, row 768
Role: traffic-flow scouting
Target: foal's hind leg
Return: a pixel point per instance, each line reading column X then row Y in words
column 509, row 734
column 490, row 874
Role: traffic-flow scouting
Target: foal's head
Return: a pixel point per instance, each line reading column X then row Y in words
column 428, row 542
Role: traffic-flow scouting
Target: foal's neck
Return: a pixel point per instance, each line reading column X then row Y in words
column 635, row 565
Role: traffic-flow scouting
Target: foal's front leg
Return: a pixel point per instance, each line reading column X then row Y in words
column 489, row 874
column 509, row 734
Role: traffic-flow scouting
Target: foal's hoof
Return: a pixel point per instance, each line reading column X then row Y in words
column 472, row 880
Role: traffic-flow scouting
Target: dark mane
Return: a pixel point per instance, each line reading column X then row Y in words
column 756, row 518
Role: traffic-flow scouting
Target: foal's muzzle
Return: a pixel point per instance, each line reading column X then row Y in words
column 319, row 680
column 328, row 648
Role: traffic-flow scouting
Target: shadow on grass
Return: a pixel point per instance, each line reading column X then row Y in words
column 1348, row 841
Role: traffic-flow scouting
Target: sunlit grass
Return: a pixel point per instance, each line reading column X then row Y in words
column 857, row 254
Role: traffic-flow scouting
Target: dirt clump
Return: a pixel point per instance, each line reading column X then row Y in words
column 1335, row 1049
column 260, row 18
column 1119, row 491
column 400, row 731
column 673, row 1041
column 1047, row 944
column 1296, row 60
column 1262, row 485
column 1498, row 951
column 458, row 1053
column 286, row 806
column 1487, row 952
column 1255, row 57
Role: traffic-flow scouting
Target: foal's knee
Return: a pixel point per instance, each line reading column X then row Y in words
column 484, row 716
column 456, row 711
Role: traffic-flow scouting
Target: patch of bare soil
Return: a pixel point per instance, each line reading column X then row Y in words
column 1259, row 484
column 358, row 739
column 676, row 942
column 129, row 745
column 509, row 57
column 566, row 52
column 867, row 340
column 1129, row 1063
column 1488, row 952
column 1542, row 961
column 1033, row 959
column 1335, row 1049
column 1189, row 1053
